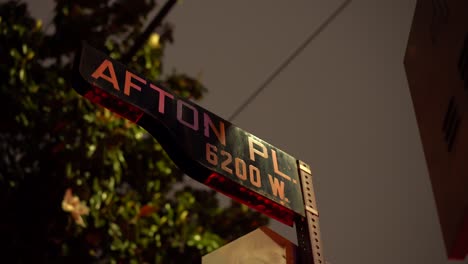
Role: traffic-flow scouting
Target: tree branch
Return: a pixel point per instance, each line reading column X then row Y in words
column 149, row 29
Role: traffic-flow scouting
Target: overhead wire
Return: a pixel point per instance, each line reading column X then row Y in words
column 290, row 58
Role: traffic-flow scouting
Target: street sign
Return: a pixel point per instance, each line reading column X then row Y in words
column 205, row 146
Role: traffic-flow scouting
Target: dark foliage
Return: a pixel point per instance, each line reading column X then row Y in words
column 77, row 183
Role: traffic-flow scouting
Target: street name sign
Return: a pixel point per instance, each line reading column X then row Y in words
column 205, row 146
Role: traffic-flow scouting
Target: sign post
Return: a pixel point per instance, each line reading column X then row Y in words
column 308, row 228
column 206, row 147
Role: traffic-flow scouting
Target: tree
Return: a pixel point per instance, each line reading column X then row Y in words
column 79, row 184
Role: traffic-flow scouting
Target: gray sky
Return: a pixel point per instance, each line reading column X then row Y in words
column 343, row 106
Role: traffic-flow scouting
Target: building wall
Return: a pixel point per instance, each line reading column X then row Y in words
column 257, row 247
column 437, row 84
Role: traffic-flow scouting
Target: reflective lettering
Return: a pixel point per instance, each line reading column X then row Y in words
column 180, row 105
column 254, row 151
column 162, row 96
column 220, row 133
column 255, row 176
column 99, row 73
column 277, row 187
column 275, row 166
column 128, row 82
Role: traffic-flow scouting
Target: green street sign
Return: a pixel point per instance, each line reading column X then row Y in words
column 206, row 147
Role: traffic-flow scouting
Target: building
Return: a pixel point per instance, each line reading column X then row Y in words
column 436, row 63
column 262, row 245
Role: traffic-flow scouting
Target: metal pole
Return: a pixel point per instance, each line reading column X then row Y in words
column 149, row 29
column 307, row 228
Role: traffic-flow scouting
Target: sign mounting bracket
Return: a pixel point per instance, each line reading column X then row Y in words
column 307, row 228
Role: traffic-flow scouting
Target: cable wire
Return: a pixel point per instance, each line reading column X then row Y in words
column 291, row 57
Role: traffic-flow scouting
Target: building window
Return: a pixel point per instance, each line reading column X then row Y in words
column 451, row 123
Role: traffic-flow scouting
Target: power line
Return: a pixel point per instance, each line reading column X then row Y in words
column 288, row 60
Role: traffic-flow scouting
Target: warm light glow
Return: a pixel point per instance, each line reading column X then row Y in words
column 154, row 40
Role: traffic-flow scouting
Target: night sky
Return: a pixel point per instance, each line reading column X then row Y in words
column 343, row 106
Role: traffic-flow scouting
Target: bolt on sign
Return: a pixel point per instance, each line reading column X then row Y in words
column 206, row 147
